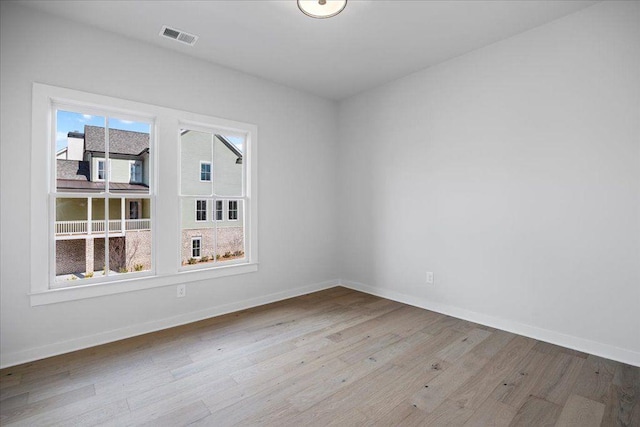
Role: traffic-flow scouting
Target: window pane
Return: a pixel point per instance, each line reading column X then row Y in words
column 129, row 154
column 73, row 162
column 227, row 165
column 74, row 246
column 195, row 148
column 130, row 237
column 80, row 244
column 230, row 236
column 192, row 228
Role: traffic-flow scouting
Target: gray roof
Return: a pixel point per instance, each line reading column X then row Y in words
column 120, row 141
column 87, row 186
column 72, row 170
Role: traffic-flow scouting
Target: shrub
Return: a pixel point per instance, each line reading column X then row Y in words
column 204, row 259
column 238, row 253
column 192, row 261
column 88, row 275
column 227, row 255
column 218, row 256
column 138, row 267
column 123, row 270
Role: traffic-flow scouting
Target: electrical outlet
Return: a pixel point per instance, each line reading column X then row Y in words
column 430, row 277
column 182, row 291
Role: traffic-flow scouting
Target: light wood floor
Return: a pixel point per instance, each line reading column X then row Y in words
column 332, row 358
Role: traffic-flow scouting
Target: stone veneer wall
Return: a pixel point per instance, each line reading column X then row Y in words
column 230, row 239
column 138, row 249
column 117, row 255
column 207, row 242
column 70, row 256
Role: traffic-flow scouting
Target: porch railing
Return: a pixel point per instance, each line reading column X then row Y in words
column 97, row 226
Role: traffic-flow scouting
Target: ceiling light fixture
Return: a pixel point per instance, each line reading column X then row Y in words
column 321, row 8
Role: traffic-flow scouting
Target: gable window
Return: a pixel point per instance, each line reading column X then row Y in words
column 233, row 210
column 101, row 173
column 135, row 171
column 219, row 210
column 205, row 171
column 196, row 247
column 201, row 210
column 97, row 230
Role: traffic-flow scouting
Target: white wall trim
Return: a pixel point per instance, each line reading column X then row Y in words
column 581, row 344
column 37, row 353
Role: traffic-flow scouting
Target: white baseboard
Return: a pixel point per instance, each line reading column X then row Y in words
column 592, row 347
column 37, row 353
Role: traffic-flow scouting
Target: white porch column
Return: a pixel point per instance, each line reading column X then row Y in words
column 122, row 212
column 89, row 217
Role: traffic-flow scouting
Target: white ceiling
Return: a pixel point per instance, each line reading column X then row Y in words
column 368, row 44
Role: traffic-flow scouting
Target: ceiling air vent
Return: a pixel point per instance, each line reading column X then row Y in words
column 178, row 35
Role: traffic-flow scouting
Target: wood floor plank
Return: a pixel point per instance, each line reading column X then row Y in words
column 536, row 412
column 580, row 411
column 335, row 357
column 595, row 378
column 558, row 380
column 623, row 402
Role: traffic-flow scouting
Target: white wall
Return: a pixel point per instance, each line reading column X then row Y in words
column 297, row 248
column 512, row 173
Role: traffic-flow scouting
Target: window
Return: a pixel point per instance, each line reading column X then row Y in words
column 134, row 209
column 205, row 171
column 233, row 210
column 219, row 212
column 196, row 247
column 135, row 172
column 101, row 173
column 99, row 231
column 225, row 242
column 201, row 210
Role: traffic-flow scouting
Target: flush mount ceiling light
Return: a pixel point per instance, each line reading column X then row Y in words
column 321, row 8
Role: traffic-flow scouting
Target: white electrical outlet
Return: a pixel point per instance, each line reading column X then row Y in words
column 182, row 291
column 430, row 277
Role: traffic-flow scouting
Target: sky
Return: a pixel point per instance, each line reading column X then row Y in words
column 68, row 121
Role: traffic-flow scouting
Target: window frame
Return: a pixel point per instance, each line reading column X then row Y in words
column 199, row 240
column 229, row 210
column 166, row 212
column 197, row 211
column 104, row 170
column 218, row 211
column 135, row 165
column 202, row 163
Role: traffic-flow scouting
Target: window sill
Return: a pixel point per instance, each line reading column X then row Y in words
column 74, row 293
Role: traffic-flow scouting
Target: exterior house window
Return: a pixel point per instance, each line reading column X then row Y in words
column 219, row 210
column 135, row 171
column 205, row 171
column 196, row 247
column 233, row 210
column 101, row 174
column 201, row 210
column 134, row 209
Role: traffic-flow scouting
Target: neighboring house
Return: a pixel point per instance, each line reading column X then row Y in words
column 82, row 167
column 208, row 221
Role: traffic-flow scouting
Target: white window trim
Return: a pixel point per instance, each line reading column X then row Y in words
column 202, row 162
column 199, row 239
column 231, row 210
column 135, row 164
column 206, row 209
column 215, row 210
column 166, row 260
column 104, row 169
